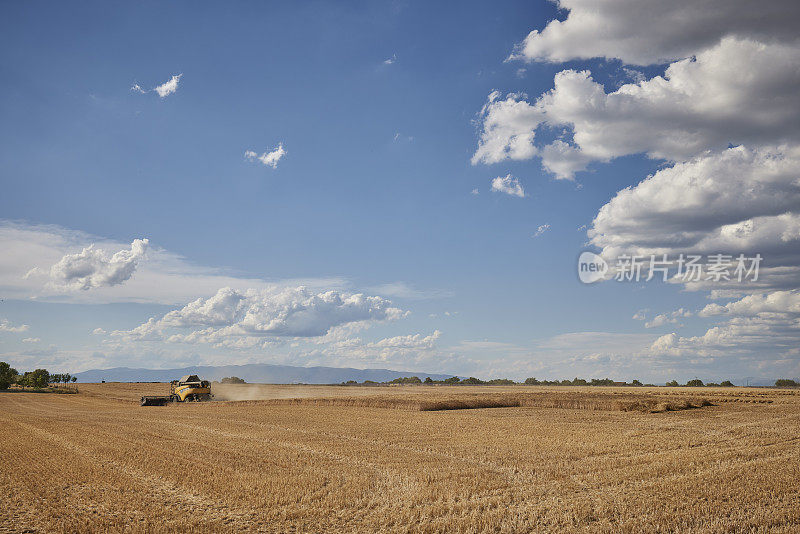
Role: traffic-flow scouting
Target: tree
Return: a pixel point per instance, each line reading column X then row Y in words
column 696, row 383
column 21, row 380
column 601, row 382
column 472, row 381
column 74, row 379
column 786, row 383
column 232, row 380
column 726, row 384
column 407, row 380
column 531, row 381
column 672, row 384
column 636, row 383
column 37, row 379
column 60, row 378
column 8, row 375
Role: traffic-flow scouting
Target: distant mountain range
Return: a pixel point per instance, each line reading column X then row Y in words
column 254, row 373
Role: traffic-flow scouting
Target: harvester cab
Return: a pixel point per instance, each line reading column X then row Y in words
column 187, row 388
column 190, row 388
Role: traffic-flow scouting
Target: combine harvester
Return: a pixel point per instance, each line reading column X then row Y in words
column 188, row 388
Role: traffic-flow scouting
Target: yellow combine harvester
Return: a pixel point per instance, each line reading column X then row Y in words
column 187, row 388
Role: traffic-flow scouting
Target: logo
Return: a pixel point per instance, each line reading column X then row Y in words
column 591, row 267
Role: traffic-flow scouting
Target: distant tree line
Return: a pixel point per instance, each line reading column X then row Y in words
column 786, row 383
column 452, row 381
column 580, row 382
column 62, row 378
column 37, row 379
column 472, row 381
column 697, row 383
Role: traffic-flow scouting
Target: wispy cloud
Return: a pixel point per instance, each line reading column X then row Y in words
column 404, row 290
column 5, row 326
column 165, row 278
column 541, row 229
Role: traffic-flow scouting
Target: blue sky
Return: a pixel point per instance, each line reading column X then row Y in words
column 379, row 109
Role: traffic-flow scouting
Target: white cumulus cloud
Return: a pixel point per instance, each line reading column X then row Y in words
column 776, row 302
column 761, row 326
column 664, row 343
column 723, row 118
column 93, row 268
column 169, row 87
column 269, row 158
column 290, row 312
column 666, row 318
column 508, row 129
column 509, row 185
column 739, row 200
column 643, row 32
column 738, row 92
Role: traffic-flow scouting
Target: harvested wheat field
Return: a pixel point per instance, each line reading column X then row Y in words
column 408, row 459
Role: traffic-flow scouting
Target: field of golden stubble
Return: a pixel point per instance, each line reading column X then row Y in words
column 97, row 461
